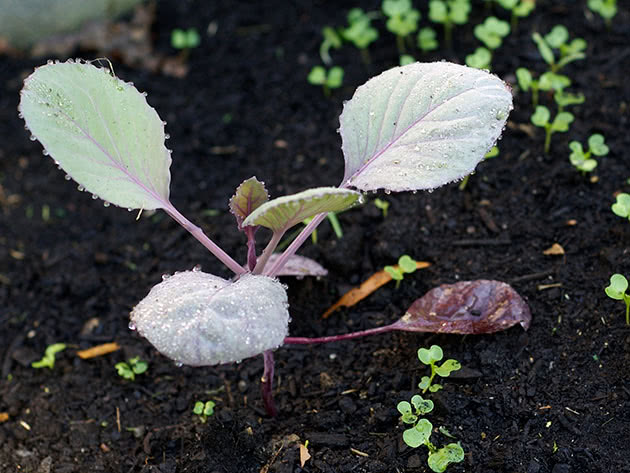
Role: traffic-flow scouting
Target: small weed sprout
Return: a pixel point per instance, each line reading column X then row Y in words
column 402, row 20
column 185, row 39
column 581, row 159
column 560, row 123
column 547, row 81
column 480, row 59
column 332, row 40
column 617, row 290
column 449, row 13
column 492, row 32
column 360, row 32
column 519, row 9
column 328, row 79
column 48, row 361
column 204, row 410
column 131, row 368
column 621, row 208
column 427, row 39
column 406, row 265
column 558, row 39
column 607, row 9
column 383, row 205
column 429, row 357
column 564, row 99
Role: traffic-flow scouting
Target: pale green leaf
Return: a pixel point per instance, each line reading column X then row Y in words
column 101, row 131
column 284, row 212
column 421, row 126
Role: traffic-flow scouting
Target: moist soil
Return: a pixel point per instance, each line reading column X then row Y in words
column 555, row 398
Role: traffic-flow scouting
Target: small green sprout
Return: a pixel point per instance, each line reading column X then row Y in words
column 332, row 40
column 204, row 410
column 328, row 79
column 360, row 32
column 560, row 123
column 480, row 59
column 383, row 205
column 492, row 31
column 131, row 368
column 185, row 39
column 48, row 361
column 406, row 59
column 547, row 81
column 519, row 9
column 581, row 159
column 402, row 20
column 449, row 13
column 427, row 39
column 558, row 39
column 621, row 208
column 617, row 289
column 607, row 9
column 406, row 264
column 429, row 357
column 564, row 99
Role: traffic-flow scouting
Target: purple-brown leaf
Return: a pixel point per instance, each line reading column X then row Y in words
column 250, row 195
column 468, row 307
column 299, row 266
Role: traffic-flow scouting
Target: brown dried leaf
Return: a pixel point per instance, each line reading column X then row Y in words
column 468, row 307
column 304, row 455
column 298, row 266
column 98, row 350
column 555, row 249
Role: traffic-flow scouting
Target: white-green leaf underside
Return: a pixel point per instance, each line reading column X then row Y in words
column 284, row 212
column 421, row 126
column 101, row 131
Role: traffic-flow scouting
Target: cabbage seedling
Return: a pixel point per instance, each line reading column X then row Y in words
column 621, row 208
column 547, row 81
column 410, row 128
column 406, row 265
column 449, row 13
column 185, row 39
column 427, row 39
column 581, row 159
column 402, row 20
column 131, row 368
column 607, row 9
column 492, row 31
column 617, row 290
column 564, row 99
column 48, row 360
column 332, row 40
column 560, row 123
column 360, row 32
column 204, row 410
column 383, row 205
column 480, row 59
column 429, row 357
column 519, row 9
column 558, row 39
column 328, row 79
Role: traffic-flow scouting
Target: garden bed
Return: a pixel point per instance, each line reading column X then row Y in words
column 552, row 399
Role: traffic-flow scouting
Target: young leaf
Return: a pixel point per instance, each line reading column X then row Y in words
column 431, row 355
column 597, row 146
column 472, row 307
column 617, row 287
column 421, row 126
column 439, row 460
column 199, row 319
column 422, row 406
column 250, row 195
column 101, row 131
column 418, row 434
column 284, row 212
column 446, row 368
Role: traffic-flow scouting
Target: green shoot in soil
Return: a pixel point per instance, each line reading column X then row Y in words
column 581, row 159
column 328, row 79
column 560, row 123
column 331, row 40
column 558, row 39
column 519, row 9
column 547, row 81
column 383, row 205
column 48, row 361
column 131, row 368
column 406, row 264
column 621, row 208
column 429, row 357
column 607, row 9
column 360, row 32
column 427, row 39
column 185, row 39
column 617, row 291
column 449, row 13
column 402, row 20
column 204, row 410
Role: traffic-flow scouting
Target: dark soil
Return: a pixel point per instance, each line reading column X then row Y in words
column 553, row 399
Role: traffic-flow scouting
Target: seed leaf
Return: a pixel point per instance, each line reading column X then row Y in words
column 284, row 212
column 471, row 307
column 101, row 131
column 421, row 126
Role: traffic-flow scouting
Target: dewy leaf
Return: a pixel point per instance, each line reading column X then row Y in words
column 468, row 307
column 199, row 319
column 101, row 131
column 284, row 212
column 299, row 266
column 250, row 195
column 421, row 126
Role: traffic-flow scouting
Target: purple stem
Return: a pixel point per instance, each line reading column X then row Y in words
column 266, row 384
column 204, row 239
column 251, row 247
column 336, row 338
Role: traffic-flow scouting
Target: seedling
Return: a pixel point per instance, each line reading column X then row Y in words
column 402, row 20
column 564, row 99
column 204, row 410
column 406, row 59
column 519, row 9
column 429, row 357
column 480, row 59
column 581, row 159
column 558, row 39
column 547, row 81
column 383, row 205
column 427, row 39
column 185, row 39
column 449, row 13
column 131, row 368
column 617, row 290
column 360, row 32
column 107, row 138
column 406, row 265
column 328, row 79
column 491, row 32
column 560, row 123
column 621, row 208
column 607, row 9
column 332, row 40
column 48, row 361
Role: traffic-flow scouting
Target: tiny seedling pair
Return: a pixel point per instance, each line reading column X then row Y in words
column 617, row 290
column 583, row 160
column 130, row 368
